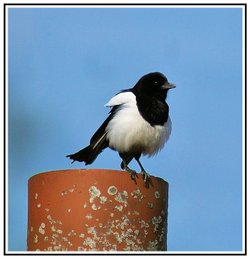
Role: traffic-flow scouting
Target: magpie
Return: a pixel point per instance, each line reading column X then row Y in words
column 138, row 124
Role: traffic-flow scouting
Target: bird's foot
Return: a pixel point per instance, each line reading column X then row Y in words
column 146, row 178
column 131, row 172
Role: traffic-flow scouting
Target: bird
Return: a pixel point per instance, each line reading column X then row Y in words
column 138, row 124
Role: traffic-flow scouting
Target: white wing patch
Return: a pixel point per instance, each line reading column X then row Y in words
column 122, row 98
column 129, row 131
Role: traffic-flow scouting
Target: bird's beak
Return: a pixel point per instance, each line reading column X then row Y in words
column 168, row 85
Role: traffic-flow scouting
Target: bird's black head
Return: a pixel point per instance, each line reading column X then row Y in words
column 153, row 84
column 151, row 92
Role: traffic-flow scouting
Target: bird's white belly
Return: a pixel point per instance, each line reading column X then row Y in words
column 129, row 132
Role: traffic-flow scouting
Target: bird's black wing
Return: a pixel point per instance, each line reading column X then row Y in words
column 102, row 129
column 98, row 142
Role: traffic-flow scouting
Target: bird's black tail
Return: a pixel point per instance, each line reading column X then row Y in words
column 98, row 143
column 87, row 155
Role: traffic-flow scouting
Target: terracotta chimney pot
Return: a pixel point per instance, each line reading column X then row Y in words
column 96, row 210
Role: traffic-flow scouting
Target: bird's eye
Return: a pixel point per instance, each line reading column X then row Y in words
column 155, row 82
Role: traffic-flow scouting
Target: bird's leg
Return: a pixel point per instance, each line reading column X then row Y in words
column 145, row 175
column 132, row 173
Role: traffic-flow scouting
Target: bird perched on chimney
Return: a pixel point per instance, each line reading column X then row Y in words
column 138, row 124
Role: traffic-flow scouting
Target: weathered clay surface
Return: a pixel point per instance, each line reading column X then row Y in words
column 96, row 210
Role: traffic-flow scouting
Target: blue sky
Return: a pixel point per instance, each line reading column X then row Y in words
column 65, row 64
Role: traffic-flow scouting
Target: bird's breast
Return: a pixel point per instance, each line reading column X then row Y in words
column 128, row 131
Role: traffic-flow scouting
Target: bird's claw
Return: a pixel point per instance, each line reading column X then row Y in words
column 132, row 173
column 146, row 178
